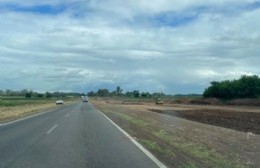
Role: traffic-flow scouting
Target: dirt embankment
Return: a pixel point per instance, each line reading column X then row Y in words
column 214, row 101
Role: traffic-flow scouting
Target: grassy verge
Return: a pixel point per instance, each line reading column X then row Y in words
column 155, row 147
column 209, row 156
column 12, row 103
column 12, row 109
column 132, row 120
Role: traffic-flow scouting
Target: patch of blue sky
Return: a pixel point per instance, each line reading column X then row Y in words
column 252, row 6
column 173, row 19
column 40, row 9
column 227, row 8
column 189, row 15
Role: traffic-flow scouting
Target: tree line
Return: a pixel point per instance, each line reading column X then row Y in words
column 244, row 87
column 119, row 92
column 30, row 94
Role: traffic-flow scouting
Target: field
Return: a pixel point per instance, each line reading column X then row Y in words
column 12, row 108
column 190, row 136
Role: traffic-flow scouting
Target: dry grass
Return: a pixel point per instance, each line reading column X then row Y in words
column 9, row 113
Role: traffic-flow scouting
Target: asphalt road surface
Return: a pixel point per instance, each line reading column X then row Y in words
column 74, row 136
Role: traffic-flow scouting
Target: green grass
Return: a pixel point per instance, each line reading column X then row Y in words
column 209, row 156
column 132, row 120
column 153, row 146
column 189, row 165
column 12, row 103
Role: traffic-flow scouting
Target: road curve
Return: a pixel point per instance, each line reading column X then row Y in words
column 74, row 136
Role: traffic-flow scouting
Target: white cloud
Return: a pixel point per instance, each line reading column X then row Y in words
column 106, row 46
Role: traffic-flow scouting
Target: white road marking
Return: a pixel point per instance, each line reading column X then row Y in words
column 52, row 128
column 67, row 115
column 11, row 122
column 146, row 152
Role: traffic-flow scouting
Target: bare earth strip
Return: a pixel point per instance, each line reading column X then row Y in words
column 183, row 143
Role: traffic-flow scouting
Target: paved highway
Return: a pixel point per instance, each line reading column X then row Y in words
column 74, row 136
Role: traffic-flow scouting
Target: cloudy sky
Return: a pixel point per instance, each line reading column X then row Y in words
column 174, row 46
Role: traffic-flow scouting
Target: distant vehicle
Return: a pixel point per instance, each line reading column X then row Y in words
column 59, row 102
column 159, row 101
column 85, row 99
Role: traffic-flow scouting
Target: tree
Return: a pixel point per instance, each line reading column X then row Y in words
column 39, row 95
column 119, row 90
column 145, row 94
column 24, row 92
column 102, row 92
column 48, row 95
column 91, row 93
column 28, row 95
column 8, row 92
column 113, row 93
column 136, row 93
column 129, row 94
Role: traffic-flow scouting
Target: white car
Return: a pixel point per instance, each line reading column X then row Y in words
column 59, row 102
column 84, row 98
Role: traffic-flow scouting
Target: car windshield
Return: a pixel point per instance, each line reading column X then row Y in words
column 129, row 84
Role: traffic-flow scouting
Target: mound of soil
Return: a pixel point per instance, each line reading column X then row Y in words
column 132, row 102
column 205, row 101
column 241, row 121
column 215, row 101
column 201, row 101
column 246, row 102
column 178, row 101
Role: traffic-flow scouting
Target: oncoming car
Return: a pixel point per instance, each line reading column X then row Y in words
column 59, row 102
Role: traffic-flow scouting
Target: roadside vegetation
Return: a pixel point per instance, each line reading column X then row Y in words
column 19, row 104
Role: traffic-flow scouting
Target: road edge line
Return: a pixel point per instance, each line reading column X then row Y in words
column 145, row 151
